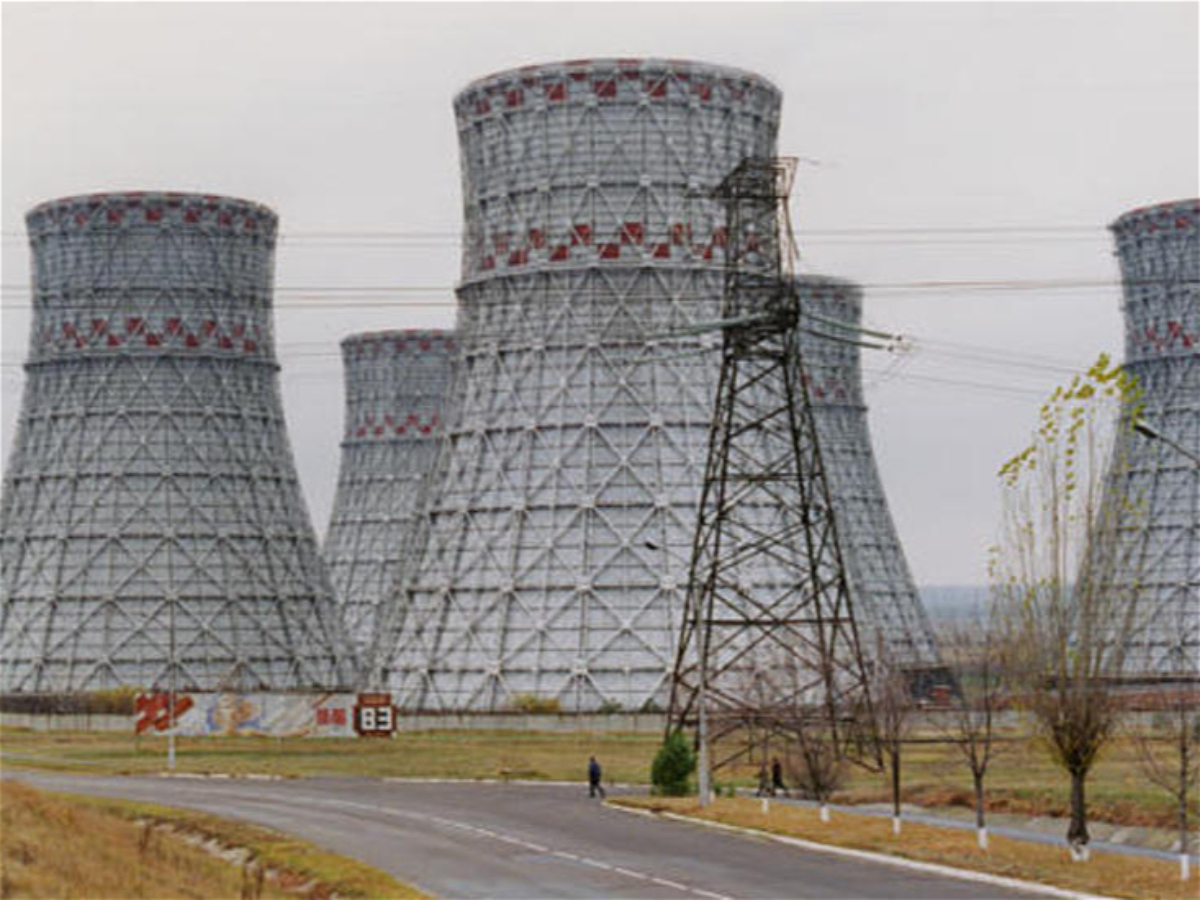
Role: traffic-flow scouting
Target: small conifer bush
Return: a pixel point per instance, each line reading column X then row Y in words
column 673, row 765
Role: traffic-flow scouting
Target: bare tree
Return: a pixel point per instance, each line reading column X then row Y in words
column 972, row 650
column 893, row 706
column 822, row 765
column 1065, row 577
column 1169, row 751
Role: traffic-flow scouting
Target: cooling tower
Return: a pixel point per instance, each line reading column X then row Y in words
column 559, row 533
column 395, row 381
column 1158, row 488
column 152, row 531
column 887, row 606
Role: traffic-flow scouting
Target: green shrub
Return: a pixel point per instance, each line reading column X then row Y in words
column 724, row 789
column 532, row 703
column 673, row 765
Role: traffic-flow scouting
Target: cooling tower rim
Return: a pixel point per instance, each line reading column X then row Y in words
column 617, row 64
column 392, row 334
column 135, row 199
column 1167, row 207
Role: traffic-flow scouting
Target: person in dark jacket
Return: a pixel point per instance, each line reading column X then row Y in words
column 777, row 778
column 594, row 773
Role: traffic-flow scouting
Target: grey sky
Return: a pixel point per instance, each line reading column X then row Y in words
column 1046, row 119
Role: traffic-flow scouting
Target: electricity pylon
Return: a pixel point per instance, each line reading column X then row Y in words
column 769, row 643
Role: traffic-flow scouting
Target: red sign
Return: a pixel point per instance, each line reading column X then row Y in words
column 154, row 711
column 333, row 716
column 374, row 715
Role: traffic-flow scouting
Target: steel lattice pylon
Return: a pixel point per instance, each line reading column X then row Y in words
column 561, row 509
column 1157, row 487
column 769, row 637
column 152, row 530
column 395, row 383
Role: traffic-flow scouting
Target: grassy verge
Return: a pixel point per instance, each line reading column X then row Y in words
column 55, row 845
column 1103, row 874
column 1022, row 780
column 434, row 754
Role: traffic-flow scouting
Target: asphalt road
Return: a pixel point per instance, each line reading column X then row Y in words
column 524, row 841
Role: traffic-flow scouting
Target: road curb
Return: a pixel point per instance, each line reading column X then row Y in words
column 218, row 776
column 871, row 856
column 534, row 782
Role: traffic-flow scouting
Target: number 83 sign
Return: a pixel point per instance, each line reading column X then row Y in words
column 374, row 715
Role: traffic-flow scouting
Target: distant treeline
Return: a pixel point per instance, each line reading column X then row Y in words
column 948, row 602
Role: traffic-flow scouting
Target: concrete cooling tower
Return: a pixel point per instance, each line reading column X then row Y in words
column 395, row 382
column 1159, row 537
column 152, row 529
column 559, row 533
column 887, row 606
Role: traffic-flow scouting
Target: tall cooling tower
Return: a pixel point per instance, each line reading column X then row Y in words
column 395, row 381
column 152, row 530
column 1159, row 252
column 887, row 606
column 560, row 529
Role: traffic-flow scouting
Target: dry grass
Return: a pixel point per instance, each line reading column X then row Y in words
column 1022, row 780
column 62, row 846
column 1116, row 876
column 52, row 847
column 440, row 754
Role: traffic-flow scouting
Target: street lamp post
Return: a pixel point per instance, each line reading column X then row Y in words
column 1146, row 430
column 704, row 772
column 704, row 775
column 171, row 685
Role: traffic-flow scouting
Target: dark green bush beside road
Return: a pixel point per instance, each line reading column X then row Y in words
column 673, row 766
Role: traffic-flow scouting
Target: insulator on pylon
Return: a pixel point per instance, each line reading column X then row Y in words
column 152, row 529
column 1154, row 488
column 887, row 605
column 395, row 382
column 560, row 530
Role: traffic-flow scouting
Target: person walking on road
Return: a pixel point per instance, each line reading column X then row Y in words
column 594, row 773
column 777, row 779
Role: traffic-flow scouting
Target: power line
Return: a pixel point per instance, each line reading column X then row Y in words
column 311, row 295
column 455, row 234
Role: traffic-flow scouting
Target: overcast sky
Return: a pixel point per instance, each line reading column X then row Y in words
column 948, row 143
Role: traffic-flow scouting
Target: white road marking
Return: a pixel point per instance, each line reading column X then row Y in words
column 631, row 874
column 274, row 799
column 595, row 863
column 670, row 884
column 509, row 839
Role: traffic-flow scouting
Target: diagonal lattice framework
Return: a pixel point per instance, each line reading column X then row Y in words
column 1156, row 534
column 554, row 550
column 769, row 640
column 887, row 605
column 395, row 383
column 152, row 528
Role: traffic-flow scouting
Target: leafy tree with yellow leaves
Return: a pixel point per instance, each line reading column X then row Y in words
column 1063, row 586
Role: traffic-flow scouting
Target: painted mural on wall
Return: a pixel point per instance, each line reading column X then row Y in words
column 229, row 714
